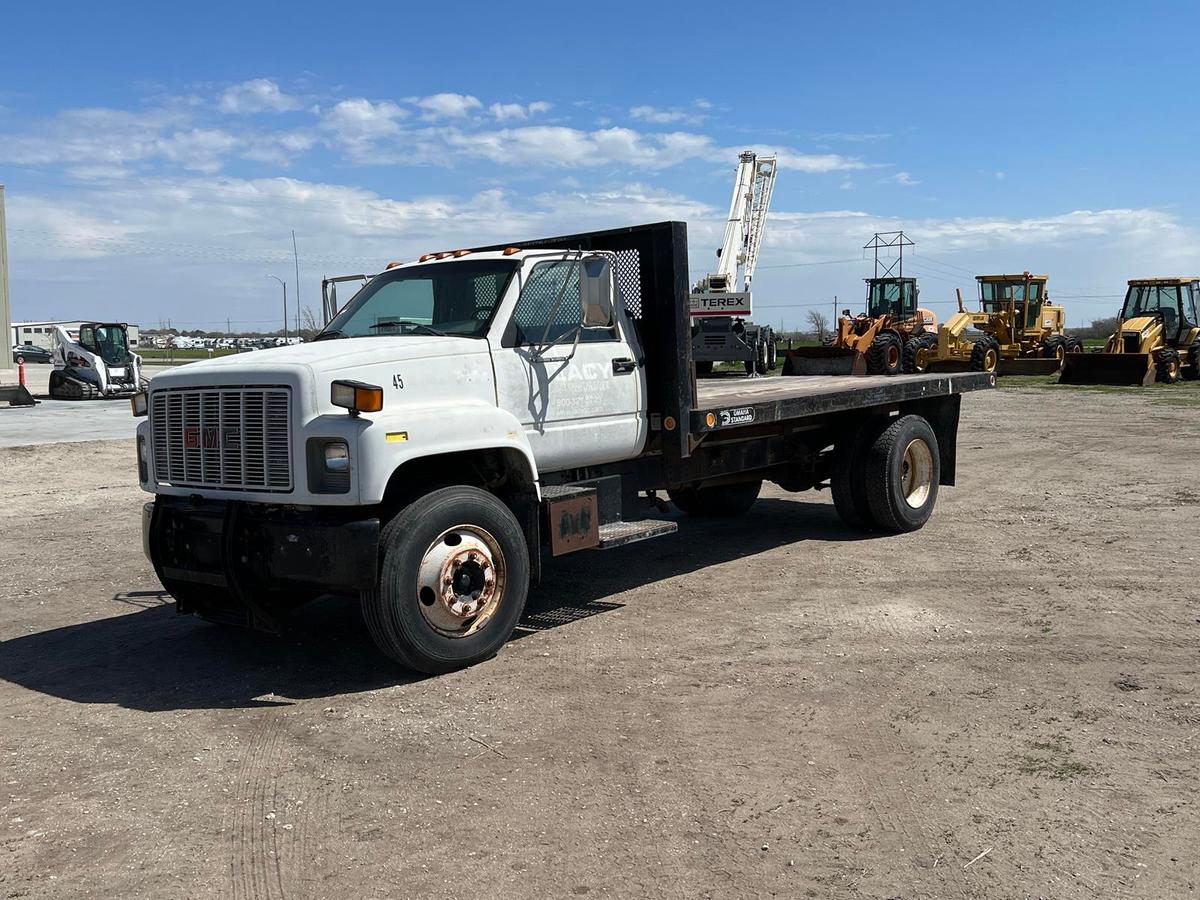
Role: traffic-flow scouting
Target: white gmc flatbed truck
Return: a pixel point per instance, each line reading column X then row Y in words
column 462, row 415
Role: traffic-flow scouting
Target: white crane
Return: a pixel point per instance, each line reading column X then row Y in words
column 752, row 188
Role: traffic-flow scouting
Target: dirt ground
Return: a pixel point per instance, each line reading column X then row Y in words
column 1003, row 704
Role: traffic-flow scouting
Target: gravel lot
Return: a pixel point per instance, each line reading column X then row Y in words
column 1003, row 704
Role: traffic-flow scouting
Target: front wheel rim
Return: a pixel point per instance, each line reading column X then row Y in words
column 990, row 360
column 916, row 473
column 461, row 581
column 921, row 359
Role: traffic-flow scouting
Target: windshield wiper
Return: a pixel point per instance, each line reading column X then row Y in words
column 324, row 335
column 429, row 328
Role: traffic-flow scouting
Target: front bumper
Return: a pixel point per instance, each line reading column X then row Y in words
column 249, row 547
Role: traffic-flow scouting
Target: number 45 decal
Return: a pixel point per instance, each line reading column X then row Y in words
column 397, row 382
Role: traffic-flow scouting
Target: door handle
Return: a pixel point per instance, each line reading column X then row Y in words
column 623, row 365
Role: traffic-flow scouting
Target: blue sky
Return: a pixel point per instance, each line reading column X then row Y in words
column 156, row 161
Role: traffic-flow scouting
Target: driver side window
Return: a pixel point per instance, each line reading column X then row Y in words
column 549, row 308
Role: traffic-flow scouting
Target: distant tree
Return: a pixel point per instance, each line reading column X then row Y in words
column 819, row 322
column 309, row 326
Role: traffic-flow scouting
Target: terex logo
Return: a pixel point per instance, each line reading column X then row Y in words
column 720, row 304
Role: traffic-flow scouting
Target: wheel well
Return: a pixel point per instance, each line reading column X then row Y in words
column 504, row 472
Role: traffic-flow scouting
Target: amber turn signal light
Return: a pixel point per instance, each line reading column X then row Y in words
column 356, row 396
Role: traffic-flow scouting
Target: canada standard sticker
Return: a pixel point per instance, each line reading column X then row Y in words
column 743, row 415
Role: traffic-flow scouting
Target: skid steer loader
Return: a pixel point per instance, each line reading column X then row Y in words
column 94, row 362
column 1157, row 338
column 1017, row 331
column 873, row 342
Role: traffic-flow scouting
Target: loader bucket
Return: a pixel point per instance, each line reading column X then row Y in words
column 1107, row 368
column 824, row 361
column 1031, row 365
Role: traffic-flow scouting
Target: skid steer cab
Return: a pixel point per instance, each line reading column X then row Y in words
column 94, row 362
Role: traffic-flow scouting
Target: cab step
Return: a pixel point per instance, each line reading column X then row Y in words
column 618, row 534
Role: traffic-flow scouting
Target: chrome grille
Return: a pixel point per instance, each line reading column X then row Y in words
column 236, row 439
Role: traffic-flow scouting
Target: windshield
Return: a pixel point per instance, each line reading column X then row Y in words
column 1148, row 299
column 441, row 298
column 108, row 341
column 884, row 297
column 994, row 295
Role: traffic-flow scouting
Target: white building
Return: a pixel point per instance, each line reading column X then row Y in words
column 41, row 334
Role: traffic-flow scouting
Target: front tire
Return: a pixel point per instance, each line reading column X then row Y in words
column 902, row 470
column 918, row 353
column 704, row 367
column 985, row 356
column 885, row 356
column 1056, row 347
column 453, row 581
column 1166, row 365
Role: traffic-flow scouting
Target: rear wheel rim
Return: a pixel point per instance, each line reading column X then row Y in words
column 461, row 581
column 1059, row 352
column 916, row 473
column 989, row 361
column 921, row 359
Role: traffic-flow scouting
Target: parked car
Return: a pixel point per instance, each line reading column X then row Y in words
column 30, row 354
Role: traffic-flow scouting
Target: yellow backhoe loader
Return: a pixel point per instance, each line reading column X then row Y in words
column 1017, row 331
column 1157, row 338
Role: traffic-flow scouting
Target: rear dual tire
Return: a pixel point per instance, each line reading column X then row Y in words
column 886, row 476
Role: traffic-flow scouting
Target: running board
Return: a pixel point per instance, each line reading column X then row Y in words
column 618, row 534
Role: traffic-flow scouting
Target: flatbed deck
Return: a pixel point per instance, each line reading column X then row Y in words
column 738, row 401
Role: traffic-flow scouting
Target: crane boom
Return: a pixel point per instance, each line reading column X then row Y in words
column 752, row 187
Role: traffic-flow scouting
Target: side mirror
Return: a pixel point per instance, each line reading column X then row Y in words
column 597, row 293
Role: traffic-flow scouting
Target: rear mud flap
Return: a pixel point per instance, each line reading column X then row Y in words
column 824, row 361
column 1107, row 368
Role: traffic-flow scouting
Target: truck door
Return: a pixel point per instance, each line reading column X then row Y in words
column 569, row 366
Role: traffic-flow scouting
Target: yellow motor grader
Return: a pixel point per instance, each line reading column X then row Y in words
column 1157, row 338
column 1016, row 331
column 873, row 342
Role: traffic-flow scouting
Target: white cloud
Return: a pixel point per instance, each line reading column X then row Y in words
column 507, row 111
column 447, row 105
column 817, row 163
column 905, row 179
column 357, row 124
column 256, row 96
column 657, row 116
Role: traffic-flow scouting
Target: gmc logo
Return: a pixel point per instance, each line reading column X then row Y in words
column 207, row 438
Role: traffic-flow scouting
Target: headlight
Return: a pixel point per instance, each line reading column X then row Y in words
column 139, row 403
column 337, row 457
column 328, row 465
column 143, row 460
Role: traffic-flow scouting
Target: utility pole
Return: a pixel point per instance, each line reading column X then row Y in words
column 6, row 360
column 296, row 257
column 285, row 321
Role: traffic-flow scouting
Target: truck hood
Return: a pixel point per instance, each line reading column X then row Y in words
column 341, row 354
column 411, row 368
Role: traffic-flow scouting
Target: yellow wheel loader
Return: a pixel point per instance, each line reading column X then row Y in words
column 873, row 342
column 1016, row 331
column 1157, row 338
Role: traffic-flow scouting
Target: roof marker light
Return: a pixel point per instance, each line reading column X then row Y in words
column 509, row 251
